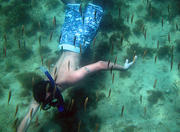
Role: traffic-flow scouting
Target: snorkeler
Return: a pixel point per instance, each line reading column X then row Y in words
column 76, row 35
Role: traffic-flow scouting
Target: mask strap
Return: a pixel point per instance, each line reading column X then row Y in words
column 48, row 75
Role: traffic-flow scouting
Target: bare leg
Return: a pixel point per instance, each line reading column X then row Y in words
column 68, row 1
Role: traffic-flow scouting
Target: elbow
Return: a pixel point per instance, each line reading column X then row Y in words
column 72, row 78
column 102, row 65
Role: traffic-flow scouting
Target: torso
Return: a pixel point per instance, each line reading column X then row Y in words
column 62, row 65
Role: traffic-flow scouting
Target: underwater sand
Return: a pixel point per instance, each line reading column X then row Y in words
column 147, row 107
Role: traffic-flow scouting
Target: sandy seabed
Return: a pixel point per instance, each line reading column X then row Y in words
column 145, row 98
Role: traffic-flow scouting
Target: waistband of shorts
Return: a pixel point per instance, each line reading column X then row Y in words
column 97, row 7
column 89, row 4
column 73, row 4
column 69, row 47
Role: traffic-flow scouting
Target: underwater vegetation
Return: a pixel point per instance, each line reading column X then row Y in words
column 52, row 4
column 120, row 26
column 48, row 126
column 177, row 109
column 11, row 66
column 1, row 91
column 16, row 14
column 153, row 14
column 164, row 51
column 4, row 85
column 114, row 20
column 6, row 42
column 140, row 8
column 24, row 53
column 116, row 40
column 109, row 23
column 177, row 45
column 101, row 51
column 126, row 74
column 44, row 50
column 155, row 96
column 138, row 50
column 138, row 29
column 107, row 4
column 19, row 12
column 26, row 81
column 106, row 23
column 174, row 8
column 131, row 128
column 38, row 24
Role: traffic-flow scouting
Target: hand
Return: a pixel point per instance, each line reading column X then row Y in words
column 127, row 65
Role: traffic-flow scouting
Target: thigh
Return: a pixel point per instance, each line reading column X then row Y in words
column 73, row 26
column 92, row 18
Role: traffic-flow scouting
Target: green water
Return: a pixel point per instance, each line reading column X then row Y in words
column 148, row 92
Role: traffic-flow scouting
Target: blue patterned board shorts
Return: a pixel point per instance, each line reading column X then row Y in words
column 80, row 29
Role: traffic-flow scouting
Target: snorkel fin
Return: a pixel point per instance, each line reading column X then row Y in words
column 60, row 105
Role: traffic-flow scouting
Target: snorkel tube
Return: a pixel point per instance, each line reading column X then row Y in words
column 61, row 102
column 48, row 76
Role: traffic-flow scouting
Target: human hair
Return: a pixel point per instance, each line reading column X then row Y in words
column 39, row 90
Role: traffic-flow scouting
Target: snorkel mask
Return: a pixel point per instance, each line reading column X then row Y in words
column 55, row 99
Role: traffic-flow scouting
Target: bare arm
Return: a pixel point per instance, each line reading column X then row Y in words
column 81, row 73
column 27, row 119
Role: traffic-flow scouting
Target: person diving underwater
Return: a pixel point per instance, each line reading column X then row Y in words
column 77, row 34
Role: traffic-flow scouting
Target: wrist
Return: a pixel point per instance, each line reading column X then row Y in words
column 125, row 67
